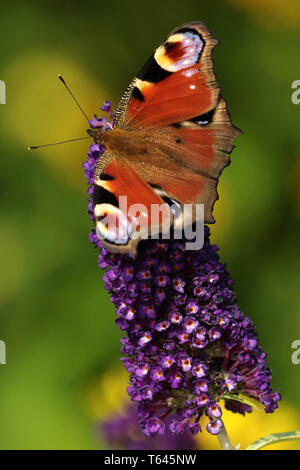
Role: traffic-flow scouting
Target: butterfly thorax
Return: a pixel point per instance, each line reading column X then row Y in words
column 124, row 142
column 119, row 140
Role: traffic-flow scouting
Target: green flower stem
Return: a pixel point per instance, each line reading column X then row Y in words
column 274, row 439
column 224, row 440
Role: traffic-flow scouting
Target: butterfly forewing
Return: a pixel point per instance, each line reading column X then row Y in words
column 176, row 83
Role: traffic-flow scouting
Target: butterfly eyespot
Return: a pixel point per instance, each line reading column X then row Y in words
column 204, row 119
column 178, row 140
column 101, row 217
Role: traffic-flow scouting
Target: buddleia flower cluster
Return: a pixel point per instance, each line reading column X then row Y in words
column 186, row 344
column 121, row 431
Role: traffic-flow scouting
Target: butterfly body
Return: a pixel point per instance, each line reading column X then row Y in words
column 171, row 139
column 126, row 143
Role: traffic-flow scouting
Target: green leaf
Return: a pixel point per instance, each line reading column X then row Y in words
column 274, row 439
column 242, row 399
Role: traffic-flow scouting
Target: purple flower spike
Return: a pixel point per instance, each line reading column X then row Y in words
column 186, row 343
column 122, row 431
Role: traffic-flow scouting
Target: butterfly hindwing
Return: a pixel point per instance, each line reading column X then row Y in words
column 122, row 204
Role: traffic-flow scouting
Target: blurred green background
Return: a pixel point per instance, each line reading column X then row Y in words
column 56, row 318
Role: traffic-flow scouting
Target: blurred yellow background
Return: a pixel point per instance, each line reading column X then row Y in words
column 56, row 318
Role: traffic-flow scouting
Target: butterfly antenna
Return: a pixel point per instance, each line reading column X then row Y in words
column 64, row 83
column 58, row 143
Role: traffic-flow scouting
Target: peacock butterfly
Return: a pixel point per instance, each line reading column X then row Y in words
column 170, row 140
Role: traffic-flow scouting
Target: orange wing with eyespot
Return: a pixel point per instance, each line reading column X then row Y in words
column 175, row 84
column 123, row 204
